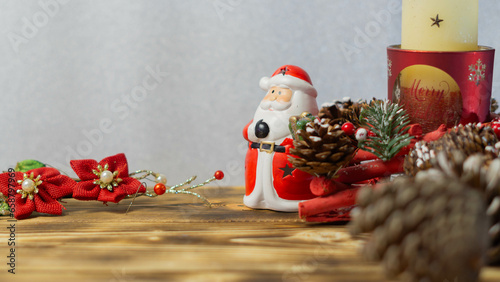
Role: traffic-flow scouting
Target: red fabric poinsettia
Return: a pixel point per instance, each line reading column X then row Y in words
column 41, row 192
column 106, row 181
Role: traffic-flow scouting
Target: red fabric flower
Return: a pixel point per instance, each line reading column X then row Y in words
column 36, row 190
column 106, row 181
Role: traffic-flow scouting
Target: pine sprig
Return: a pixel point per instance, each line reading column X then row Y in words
column 389, row 123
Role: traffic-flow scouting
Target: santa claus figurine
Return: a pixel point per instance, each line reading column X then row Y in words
column 271, row 181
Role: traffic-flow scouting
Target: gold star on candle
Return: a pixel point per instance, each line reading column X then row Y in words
column 436, row 21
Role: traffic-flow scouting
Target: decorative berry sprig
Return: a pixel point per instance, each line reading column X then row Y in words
column 160, row 187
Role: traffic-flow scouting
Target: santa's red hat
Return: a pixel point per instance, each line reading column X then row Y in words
column 290, row 76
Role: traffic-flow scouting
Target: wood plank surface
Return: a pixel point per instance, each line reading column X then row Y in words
column 177, row 238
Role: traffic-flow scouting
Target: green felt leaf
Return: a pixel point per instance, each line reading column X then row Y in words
column 4, row 208
column 24, row 166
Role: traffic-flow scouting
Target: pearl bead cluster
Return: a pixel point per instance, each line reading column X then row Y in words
column 107, row 179
column 29, row 185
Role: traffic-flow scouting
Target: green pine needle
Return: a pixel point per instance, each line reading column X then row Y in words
column 389, row 122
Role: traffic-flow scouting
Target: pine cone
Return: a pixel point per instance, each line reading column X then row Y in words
column 333, row 113
column 431, row 227
column 341, row 112
column 322, row 148
column 494, row 105
column 470, row 139
column 482, row 173
column 299, row 122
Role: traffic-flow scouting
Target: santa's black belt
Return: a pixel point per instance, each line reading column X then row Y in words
column 269, row 147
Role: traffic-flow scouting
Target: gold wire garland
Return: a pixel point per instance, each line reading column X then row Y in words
column 176, row 189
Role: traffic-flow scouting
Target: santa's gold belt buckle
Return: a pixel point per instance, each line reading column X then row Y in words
column 271, row 147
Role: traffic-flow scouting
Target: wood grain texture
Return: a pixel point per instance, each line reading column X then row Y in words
column 177, row 238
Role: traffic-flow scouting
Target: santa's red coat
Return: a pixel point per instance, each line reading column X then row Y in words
column 289, row 187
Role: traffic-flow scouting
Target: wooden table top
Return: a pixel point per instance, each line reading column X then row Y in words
column 177, row 238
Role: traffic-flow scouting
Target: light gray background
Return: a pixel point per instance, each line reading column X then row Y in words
column 84, row 59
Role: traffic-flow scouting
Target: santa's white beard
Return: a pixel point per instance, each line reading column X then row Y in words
column 278, row 120
column 274, row 105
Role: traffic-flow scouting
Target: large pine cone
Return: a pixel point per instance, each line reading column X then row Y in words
column 431, row 227
column 482, row 173
column 470, row 139
column 322, row 148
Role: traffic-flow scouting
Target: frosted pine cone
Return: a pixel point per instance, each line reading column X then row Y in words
column 469, row 139
column 341, row 112
column 321, row 148
column 419, row 158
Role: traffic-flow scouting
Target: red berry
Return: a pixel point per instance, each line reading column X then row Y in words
column 160, row 189
column 496, row 128
column 348, row 128
column 371, row 134
column 219, row 175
